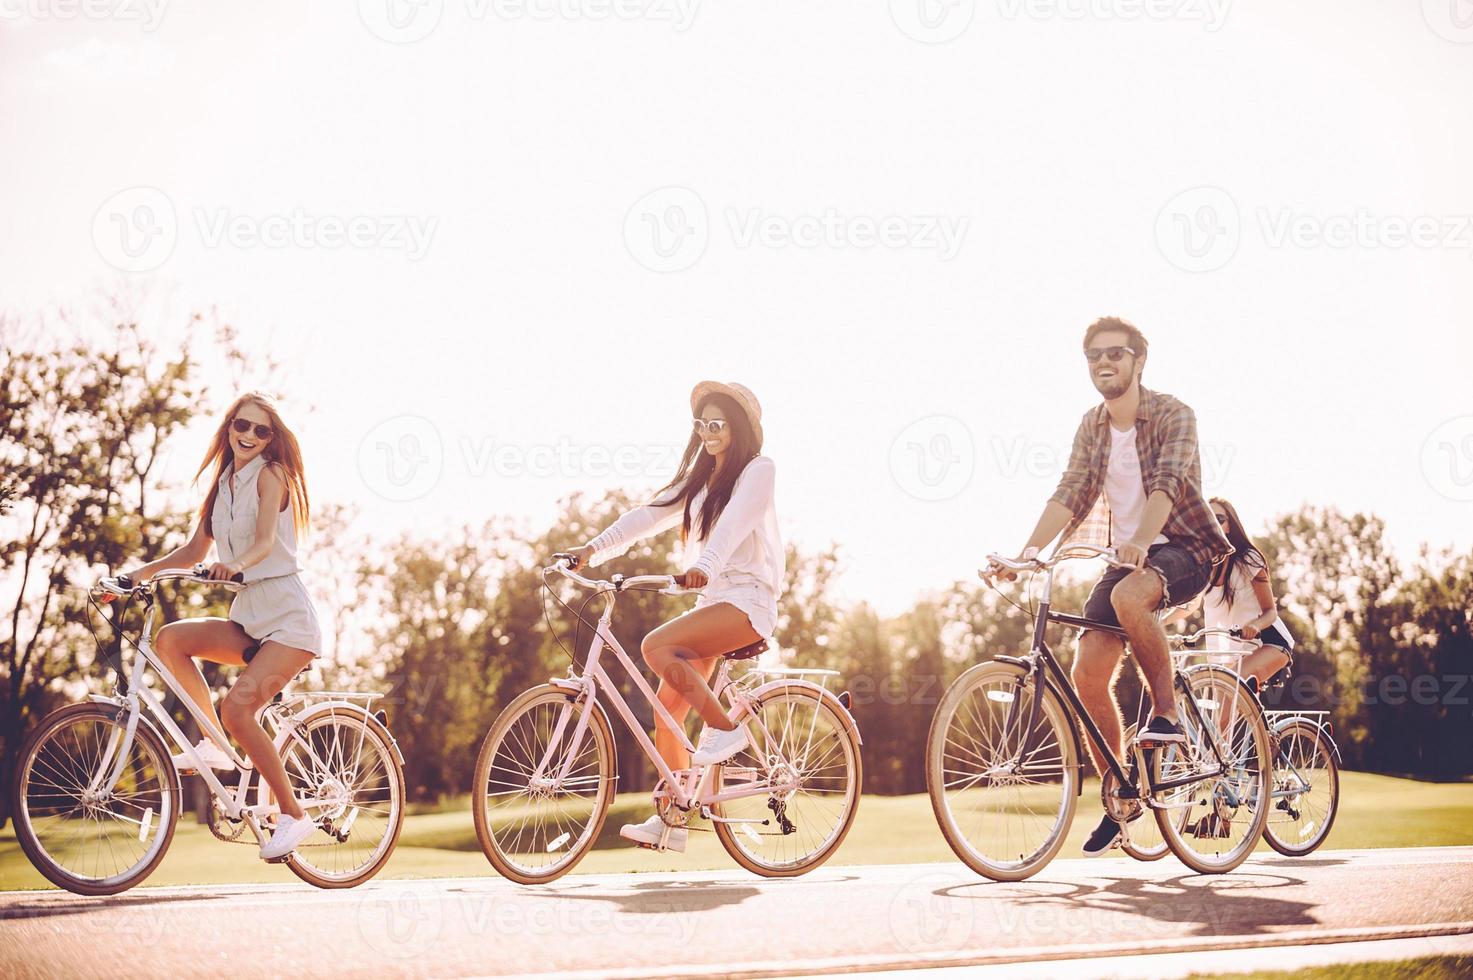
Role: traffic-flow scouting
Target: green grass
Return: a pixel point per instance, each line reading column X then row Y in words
column 1376, row 811
column 1427, row 968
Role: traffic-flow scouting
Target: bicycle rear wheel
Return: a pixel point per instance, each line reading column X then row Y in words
column 343, row 763
column 1214, row 822
column 79, row 834
column 1003, row 790
column 539, row 800
column 1306, row 789
column 804, row 741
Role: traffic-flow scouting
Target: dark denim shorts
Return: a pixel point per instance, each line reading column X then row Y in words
column 1182, row 575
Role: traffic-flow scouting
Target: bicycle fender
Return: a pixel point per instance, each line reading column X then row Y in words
column 824, row 694
column 345, row 707
column 1322, row 726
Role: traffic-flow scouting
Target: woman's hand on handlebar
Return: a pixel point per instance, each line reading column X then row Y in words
column 692, row 578
column 581, row 556
column 221, row 572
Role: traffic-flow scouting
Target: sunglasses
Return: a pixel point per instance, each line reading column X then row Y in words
column 1221, row 518
column 1093, row 354
column 243, row 426
column 715, row 426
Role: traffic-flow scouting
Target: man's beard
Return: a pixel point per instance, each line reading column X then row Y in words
column 1114, row 387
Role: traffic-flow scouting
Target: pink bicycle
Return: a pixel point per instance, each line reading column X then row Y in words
column 546, row 772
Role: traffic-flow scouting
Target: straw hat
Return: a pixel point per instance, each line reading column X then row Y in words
column 737, row 393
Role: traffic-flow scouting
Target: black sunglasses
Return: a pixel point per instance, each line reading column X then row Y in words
column 1093, row 354
column 245, row 425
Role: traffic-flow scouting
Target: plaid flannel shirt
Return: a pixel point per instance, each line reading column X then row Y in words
column 1166, row 442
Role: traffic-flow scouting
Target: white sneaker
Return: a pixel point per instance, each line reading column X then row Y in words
column 650, row 832
column 718, row 746
column 209, row 753
column 290, row 832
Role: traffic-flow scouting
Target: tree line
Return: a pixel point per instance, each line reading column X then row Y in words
column 452, row 628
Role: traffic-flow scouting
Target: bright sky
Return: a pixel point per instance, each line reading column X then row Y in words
column 497, row 257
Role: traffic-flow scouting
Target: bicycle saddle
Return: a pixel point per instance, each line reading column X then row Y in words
column 747, row 652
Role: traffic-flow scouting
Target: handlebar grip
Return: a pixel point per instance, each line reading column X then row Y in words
column 125, row 580
column 238, row 577
column 1236, row 631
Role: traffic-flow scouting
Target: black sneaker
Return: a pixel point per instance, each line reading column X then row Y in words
column 1106, row 836
column 1160, row 732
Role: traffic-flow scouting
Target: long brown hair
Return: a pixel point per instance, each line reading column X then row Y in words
column 1244, row 550
column 696, row 467
column 282, row 452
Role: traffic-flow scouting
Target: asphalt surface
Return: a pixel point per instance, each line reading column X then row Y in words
column 836, row 919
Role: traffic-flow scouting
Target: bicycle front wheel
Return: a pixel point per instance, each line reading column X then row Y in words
column 82, row 829
column 1306, row 790
column 1003, row 785
column 1213, row 820
column 804, row 771
column 344, row 770
column 540, row 795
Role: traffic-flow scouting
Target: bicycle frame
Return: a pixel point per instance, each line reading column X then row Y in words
column 1043, row 667
column 694, row 790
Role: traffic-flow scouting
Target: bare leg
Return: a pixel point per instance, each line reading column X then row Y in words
column 219, row 641
column 667, row 742
column 268, row 672
column 1136, row 599
column 1096, row 669
column 671, row 651
column 1264, row 662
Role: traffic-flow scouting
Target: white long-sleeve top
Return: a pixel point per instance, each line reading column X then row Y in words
column 743, row 547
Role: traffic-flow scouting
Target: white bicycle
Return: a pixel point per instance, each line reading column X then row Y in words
column 97, row 796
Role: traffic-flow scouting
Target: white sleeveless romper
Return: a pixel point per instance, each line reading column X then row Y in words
column 274, row 604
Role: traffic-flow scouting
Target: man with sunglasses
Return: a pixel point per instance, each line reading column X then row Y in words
column 1134, row 482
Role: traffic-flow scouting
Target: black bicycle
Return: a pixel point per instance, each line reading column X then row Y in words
column 1004, row 758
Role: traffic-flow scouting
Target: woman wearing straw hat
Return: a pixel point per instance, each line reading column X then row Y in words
column 722, row 500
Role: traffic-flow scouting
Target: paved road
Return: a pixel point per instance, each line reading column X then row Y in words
column 731, row 923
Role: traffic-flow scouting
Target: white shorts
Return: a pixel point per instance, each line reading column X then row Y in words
column 278, row 609
column 752, row 598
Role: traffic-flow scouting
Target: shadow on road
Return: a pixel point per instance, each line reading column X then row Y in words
column 78, row 904
column 1211, row 906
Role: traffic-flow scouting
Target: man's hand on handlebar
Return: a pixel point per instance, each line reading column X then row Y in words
column 992, row 571
column 1130, row 553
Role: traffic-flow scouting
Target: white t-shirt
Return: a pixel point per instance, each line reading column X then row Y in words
column 1218, row 614
column 1125, row 491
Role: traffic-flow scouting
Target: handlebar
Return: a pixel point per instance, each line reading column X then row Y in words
column 124, row 584
column 666, row 583
column 1040, row 564
column 1183, row 639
